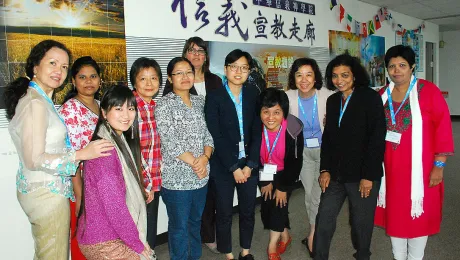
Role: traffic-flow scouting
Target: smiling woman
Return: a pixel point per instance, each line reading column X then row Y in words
column 47, row 158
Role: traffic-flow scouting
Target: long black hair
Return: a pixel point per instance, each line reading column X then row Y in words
column 76, row 67
column 16, row 89
column 118, row 96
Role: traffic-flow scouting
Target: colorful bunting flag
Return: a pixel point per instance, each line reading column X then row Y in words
column 342, row 13
column 333, row 3
column 349, row 21
column 377, row 22
column 371, row 27
column 381, row 15
column 357, row 28
column 364, row 25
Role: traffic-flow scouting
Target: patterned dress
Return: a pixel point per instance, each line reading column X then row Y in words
column 437, row 140
column 80, row 122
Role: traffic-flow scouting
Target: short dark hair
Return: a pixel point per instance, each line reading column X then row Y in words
column 144, row 63
column 272, row 97
column 361, row 77
column 16, row 89
column 200, row 43
column 236, row 55
column 402, row 51
column 76, row 67
column 305, row 62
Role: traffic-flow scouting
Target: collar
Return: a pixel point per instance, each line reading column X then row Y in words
column 141, row 102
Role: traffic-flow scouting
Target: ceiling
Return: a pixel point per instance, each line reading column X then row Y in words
column 445, row 13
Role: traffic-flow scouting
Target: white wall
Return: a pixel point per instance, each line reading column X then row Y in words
column 147, row 18
column 449, row 69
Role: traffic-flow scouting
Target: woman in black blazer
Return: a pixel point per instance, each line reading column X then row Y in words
column 233, row 120
column 351, row 155
column 196, row 51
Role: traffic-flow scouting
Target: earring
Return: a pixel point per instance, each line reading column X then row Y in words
column 132, row 131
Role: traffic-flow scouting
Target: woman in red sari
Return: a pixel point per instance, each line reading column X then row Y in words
column 418, row 141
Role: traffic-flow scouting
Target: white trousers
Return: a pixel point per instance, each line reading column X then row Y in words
column 408, row 248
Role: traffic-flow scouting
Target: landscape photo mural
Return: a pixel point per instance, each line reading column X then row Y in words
column 86, row 27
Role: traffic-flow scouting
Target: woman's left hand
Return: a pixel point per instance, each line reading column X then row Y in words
column 150, row 196
column 281, row 198
column 436, row 176
column 365, row 187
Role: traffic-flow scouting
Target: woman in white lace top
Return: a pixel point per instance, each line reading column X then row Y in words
column 46, row 158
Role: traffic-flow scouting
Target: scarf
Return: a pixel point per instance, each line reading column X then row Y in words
column 417, row 192
column 134, row 198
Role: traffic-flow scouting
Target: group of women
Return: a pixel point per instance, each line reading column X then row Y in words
column 105, row 156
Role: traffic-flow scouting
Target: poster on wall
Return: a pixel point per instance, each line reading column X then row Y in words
column 415, row 41
column 87, row 28
column 370, row 49
column 272, row 62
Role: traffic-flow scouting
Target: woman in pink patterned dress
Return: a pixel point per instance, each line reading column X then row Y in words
column 81, row 112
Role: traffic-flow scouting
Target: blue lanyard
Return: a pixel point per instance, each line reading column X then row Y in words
column 239, row 113
column 267, row 142
column 315, row 102
column 390, row 101
column 43, row 94
column 343, row 107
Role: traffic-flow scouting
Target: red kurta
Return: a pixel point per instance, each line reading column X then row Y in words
column 437, row 140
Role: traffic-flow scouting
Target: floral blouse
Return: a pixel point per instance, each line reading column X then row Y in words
column 182, row 129
column 40, row 140
column 80, row 121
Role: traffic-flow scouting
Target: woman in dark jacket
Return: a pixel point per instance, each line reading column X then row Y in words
column 196, row 51
column 281, row 153
column 351, row 156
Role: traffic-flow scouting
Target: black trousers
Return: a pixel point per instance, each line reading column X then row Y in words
column 361, row 217
column 224, row 206
column 274, row 217
column 208, row 219
column 152, row 219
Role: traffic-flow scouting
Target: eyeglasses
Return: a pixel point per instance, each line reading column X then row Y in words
column 189, row 74
column 200, row 52
column 234, row 68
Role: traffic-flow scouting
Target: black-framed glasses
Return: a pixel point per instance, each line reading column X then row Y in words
column 189, row 74
column 200, row 52
column 234, row 68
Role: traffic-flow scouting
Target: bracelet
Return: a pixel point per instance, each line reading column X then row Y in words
column 439, row 164
column 205, row 155
column 323, row 171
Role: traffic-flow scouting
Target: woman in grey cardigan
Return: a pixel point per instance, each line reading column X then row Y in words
column 307, row 101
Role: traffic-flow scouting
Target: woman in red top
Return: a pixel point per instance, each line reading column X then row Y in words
column 419, row 139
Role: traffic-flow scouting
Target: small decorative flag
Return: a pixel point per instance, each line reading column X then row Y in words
column 371, row 27
column 364, row 25
column 386, row 14
column 342, row 12
column 357, row 28
column 381, row 15
column 333, row 3
column 389, row 17
column 349, row 20
column 377, row 22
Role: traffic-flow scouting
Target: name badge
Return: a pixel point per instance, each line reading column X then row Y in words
column 312, row 142
column 393, row 137
column 265, row 177
column 241, row 146
column 268, row 172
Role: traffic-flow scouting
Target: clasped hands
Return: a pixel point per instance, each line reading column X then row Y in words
column 199, row 166
column 242, row 175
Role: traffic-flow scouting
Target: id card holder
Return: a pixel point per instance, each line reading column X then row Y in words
column 268, row 172
column 312, row 142
column 241, row 146
column 393, row 137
